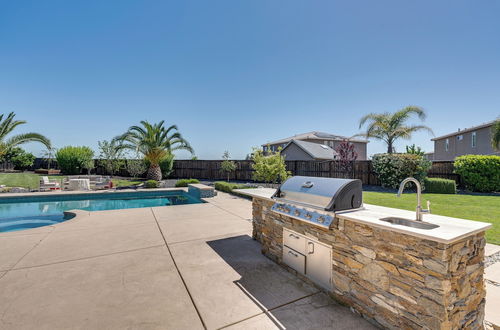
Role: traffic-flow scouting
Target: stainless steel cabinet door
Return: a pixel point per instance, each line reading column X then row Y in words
column 294, row 259
column 294, row 241
column 319, row 263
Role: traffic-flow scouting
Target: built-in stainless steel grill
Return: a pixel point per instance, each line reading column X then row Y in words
column 304, row 198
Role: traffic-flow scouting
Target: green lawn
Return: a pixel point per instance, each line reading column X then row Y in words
column 25, row 180
column 478, row 208
column 32, row 180
column 125, row 183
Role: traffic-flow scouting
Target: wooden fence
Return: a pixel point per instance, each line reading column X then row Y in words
column 6, row 167
column 363, row 170
column 211, row 170
column 444, row 170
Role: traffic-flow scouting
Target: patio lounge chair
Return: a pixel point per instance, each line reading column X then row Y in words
column 47, row 185
column 102, row 183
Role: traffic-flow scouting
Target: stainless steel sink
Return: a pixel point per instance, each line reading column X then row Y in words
column 409, row 223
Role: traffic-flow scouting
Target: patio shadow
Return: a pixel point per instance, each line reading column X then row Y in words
column 287, row 301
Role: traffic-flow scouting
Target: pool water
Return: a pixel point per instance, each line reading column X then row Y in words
column 20, row 213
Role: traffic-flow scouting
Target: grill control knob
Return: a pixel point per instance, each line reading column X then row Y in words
column 321, row 219
column 297, row 213
column 308, row 216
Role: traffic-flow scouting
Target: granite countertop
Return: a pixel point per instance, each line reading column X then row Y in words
column 449, row 230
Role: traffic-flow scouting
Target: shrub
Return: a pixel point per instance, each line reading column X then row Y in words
column 72, row 160
column 440, row 186
column 228, row 187
column 269, row 168
column 391, row 169
column 151, row 184
column 185, row 182
column 21, row 159
column 479, row 173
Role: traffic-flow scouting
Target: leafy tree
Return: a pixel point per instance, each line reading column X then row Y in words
column 136, row 167
column 389, row 127
column 495, row 135
column 414, row 150
column 49, row 155
column 72, row 160
column 154, row 142
column 111, row 156
column 227, row 165
column 7, row 125
column 194, row 157
column 347, row 155
column 270, row 167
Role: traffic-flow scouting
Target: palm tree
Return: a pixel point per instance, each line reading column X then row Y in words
column 7, row 125
column 154, row 142
column 495, row 135
column 389, row 127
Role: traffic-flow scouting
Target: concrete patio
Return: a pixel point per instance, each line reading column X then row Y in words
column 177, row 267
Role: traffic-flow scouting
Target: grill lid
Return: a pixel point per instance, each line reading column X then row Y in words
column 329, row 194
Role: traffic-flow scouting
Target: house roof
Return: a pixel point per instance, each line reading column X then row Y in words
column 464, row 130
column 315, row 150
column 315, row 136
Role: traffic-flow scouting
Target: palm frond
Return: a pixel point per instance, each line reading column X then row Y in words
column 388, row 127
column 19, row 139
column 153, row 140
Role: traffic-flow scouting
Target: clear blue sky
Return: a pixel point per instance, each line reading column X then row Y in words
column 236, row 74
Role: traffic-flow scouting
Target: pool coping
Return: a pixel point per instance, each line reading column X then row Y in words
column 85, row 192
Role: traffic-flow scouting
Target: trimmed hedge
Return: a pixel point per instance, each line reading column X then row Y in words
column 478, row 172
column 185, row 182
column 228, row 187
column 391, row 169
column 440, row 186
column 152, row 184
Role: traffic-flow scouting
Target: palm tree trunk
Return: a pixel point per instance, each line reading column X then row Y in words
column 389, row 147
column 154, row 172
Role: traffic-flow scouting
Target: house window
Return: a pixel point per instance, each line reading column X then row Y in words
column 474, row 139
column 460, row 137
column 447, row 144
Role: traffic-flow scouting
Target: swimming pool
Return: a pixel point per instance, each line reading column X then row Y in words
column 18, row 213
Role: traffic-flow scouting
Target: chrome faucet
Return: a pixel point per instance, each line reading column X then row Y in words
column 419, row 193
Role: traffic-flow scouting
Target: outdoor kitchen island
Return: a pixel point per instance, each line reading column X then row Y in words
column 399, row 277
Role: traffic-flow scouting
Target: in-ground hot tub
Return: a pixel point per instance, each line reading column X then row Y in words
column 36, row 210
column 398, row 276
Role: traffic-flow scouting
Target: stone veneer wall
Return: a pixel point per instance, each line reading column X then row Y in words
column 398, row 280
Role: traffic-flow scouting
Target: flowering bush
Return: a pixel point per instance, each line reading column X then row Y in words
column 346, row 156
column 391, row 169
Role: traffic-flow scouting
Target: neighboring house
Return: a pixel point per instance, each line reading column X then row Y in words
column 320, row 138
column 429, row 156
column 303, row 150
column 470, row 141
